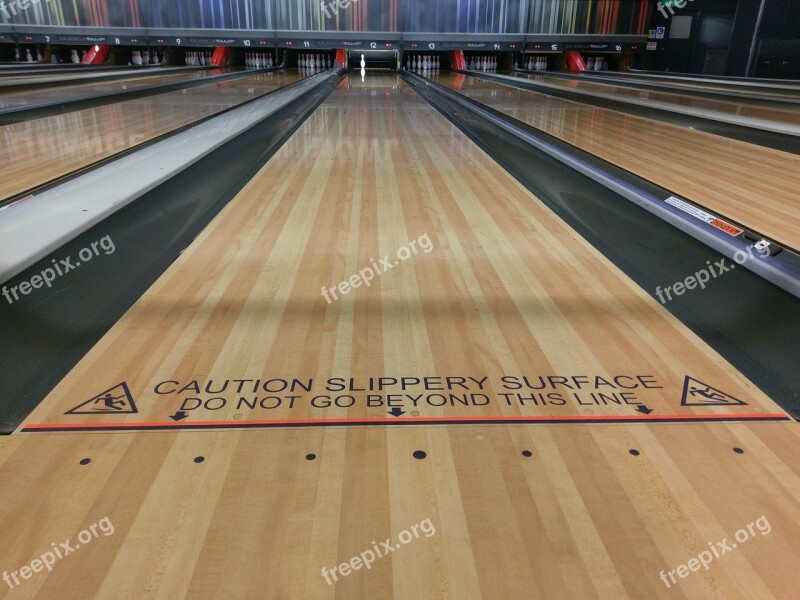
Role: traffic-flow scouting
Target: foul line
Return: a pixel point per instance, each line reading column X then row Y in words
column 149, row 426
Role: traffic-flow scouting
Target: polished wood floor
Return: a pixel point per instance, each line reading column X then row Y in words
column 14, row 99
column 750, row 184
column 33, row 152
column 777, row 112
column 544, row 499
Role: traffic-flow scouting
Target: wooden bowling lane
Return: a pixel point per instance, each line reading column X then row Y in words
column 37, row 151
column 508, row 510
column 10, row 99
column 779, row 113
column 581, row 517
column 773, row 88
column 752, row 185
column 8, row 80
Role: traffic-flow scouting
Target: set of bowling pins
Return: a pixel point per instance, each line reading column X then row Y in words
column 536, row 63
column 424, row 63
column 28, row 56
column 596, row 63
column 314, row 61
column 483, row 63
column 194, row 59
column 258, row 60
column 143, row 58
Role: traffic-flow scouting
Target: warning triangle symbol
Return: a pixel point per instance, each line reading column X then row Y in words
column 697, row 393
column 116, row 400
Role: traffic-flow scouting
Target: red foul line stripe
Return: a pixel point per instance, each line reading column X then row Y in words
column 378, row 420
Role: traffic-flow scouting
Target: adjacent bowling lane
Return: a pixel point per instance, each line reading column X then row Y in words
column 37, row 151
column 778, row 113
column 7, row 81
column 766, row 88
column 496, row 286
column 11, row 99
column 750, row 184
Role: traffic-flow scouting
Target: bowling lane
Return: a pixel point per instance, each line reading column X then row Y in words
column 10, row 99
column 363, row 176
column 750, row 184
column 12, row 80
column 37, row 151
column 779, row 113
column 772, row 87
column 498, row 287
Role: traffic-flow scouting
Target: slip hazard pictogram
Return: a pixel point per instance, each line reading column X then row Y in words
column 116, row 400
column 697, row 393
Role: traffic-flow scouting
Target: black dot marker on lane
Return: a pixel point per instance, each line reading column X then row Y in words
column 311, row 456
column 738, row 450
column 419, row 454
column 199, row 459
column 86, row 461
column 527, row 453
column 634, row 452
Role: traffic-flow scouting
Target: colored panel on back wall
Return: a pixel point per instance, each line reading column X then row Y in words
column 338, row 15
column 466, row 16
column 589, row 16
column 90, row 13
column 458, row 16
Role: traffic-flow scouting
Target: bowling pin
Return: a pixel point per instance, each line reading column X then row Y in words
column 74, row 58
column 590, row 63
column 38, row 56
column 363, row 62
column 28, row 56
column 598, row 63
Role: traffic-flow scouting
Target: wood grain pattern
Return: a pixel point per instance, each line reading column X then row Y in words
column 780, row 113
column 507, row 288
column 34, row 152
column 10, row 99
column 752, row 185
